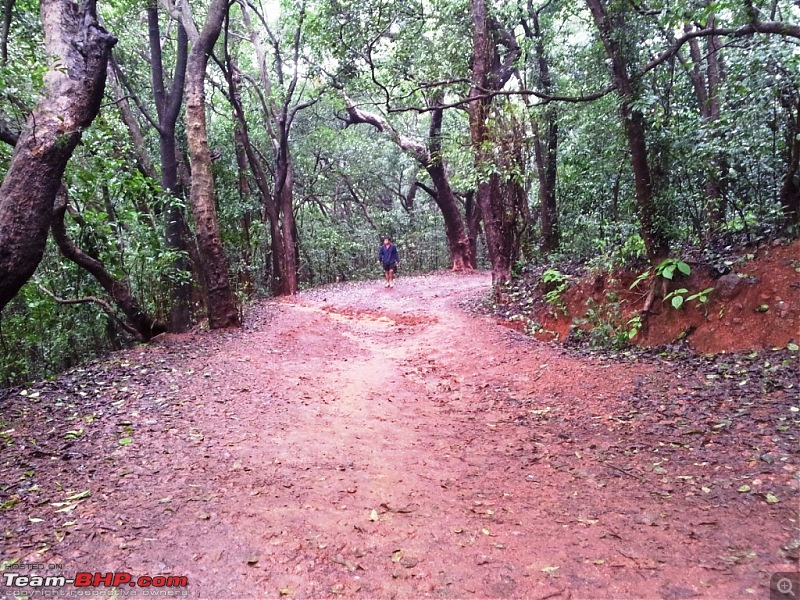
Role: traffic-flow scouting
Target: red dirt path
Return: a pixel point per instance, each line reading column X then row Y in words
column 373, row 443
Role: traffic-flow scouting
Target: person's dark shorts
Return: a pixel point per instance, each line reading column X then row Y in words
column 390, row 267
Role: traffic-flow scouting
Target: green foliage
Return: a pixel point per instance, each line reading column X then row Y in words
column 677, row 298
column 667, row 268
column 556, row 284
column 603, row 324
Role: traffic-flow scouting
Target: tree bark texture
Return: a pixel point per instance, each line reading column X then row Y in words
column 73, row 93
column 490, row 73
column 221, row 304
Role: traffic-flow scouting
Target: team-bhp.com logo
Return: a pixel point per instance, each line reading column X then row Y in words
column 29, row 582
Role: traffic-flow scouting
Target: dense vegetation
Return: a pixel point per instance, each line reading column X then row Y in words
column 256, row 148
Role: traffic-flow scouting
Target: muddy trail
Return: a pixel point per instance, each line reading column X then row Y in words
column 365, row 442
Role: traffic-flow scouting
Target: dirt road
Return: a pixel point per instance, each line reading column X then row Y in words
column 373, row 443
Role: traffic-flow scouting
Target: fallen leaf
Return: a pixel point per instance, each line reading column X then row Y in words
column 80, row 495
column 772, row 499
column 373, row 515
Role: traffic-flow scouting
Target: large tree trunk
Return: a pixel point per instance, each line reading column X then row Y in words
column 284, row 190
column 489, row 74
column 462, row 257
column 143, row 324
column 168, row 105
column 74, row 89
column 652, row 230
column 220, row 300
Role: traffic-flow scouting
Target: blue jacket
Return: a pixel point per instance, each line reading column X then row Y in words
column 389, row 255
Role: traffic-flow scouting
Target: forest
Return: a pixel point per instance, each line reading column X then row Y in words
column 206, row 389
column 163, row 163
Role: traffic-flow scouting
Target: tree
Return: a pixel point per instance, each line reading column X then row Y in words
column 220, row 302
column 75, row 82
column 706, row 76
column 614, row 33
column 139, row 323
column 282, row 98
column 496, row 199
column 430, row 158
column 546, row 142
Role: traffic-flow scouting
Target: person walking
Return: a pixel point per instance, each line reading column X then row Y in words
column 389, row 258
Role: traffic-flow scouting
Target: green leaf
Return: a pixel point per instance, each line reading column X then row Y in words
column 677, row 301
column 772, row 499
column 792, row 346
column 125, row 441
column 684, row 268
column 668, row 272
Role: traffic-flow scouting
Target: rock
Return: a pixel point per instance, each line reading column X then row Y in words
column 728, row 286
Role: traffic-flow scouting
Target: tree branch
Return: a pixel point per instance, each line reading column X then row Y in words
column 107, row 308
column 8, row 136
column 355, row 116
column 120, row 76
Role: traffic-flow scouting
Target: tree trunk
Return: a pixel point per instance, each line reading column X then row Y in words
column 490, row 74
column 790, row 190
column 461, row 256
column 284, row 188
column 221, row 304
column 74, row 90
column 145, row 326
column 545, row 148
column 706, row 89
column 5, row 30
column 168, row 105
column 268, row 198
column 243, row 187
column 652, row 230
column 472, row 214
